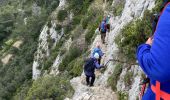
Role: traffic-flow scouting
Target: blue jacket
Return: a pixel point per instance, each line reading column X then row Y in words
column 155, row 59
column 97, row 50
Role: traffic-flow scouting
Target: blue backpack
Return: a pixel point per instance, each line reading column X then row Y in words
column 102, row 26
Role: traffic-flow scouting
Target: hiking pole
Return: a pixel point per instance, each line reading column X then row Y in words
column 117, row 60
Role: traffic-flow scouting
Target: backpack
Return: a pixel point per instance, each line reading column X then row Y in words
column 89, row 65
column 102, row 26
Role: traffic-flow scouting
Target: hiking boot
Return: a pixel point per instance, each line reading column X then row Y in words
column 87, row 84
column 91, row 85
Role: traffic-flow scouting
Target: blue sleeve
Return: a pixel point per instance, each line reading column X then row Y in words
column 97, row 65
column 147, row 63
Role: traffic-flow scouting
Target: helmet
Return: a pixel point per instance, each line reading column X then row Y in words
column 96, row 55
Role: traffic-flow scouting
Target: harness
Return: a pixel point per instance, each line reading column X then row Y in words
column 159, row 93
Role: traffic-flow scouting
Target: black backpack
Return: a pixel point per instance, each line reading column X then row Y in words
column 89, row 65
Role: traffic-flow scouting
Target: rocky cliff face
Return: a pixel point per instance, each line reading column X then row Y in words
column 101, row 91
column 43, row 47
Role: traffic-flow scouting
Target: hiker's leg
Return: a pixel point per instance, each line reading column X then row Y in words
column 87, row 79
column 108, row 27
column 92, row 80
column 103, row 37
column 99, row 60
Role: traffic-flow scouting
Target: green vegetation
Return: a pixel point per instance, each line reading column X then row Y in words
column 49, row 87
column 62, row 14
column 112, row 81
column 79, row 7
column 58, row 28
column 69, row 61
column 48, row 61
column 118, row 7
column 122, row 95
column 75, row 67
column 128, row 78
column 18, row 21
column 135, row 33
column 16, row 76
column 110, row 1
column 49, row 5
column 95, row 16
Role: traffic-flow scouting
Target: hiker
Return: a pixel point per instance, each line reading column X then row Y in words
column 103, row 29
column 99, row 51
column 89, row 68
column 107, row 23
column 154, row 59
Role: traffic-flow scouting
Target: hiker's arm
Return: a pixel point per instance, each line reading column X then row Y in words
column 97, row 65
column 148, row 64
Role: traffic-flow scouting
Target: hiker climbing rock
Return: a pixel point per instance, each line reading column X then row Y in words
column 99, row 51
column 89, row 68
column 154, row 58
column 103, row 29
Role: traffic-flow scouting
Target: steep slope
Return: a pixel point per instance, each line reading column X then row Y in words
column 47, row 32
column 63, row 44
column 101, row 91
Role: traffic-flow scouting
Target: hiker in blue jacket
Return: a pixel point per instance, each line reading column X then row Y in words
column 103, row 29
column 154, row 59
column 89, row 69
column 98, row 50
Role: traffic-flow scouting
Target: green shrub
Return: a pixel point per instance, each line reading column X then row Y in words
column 50, row 87
column 135, row 33
column 72, row 54
column 22, row 92
column 118, row 7
column 50, row 41
column 128, row 78
column 85, row 22
column 47, row 62
column 92, row 27
column 122, row 95
column 76, row 20
column 132, row 35
column 49, row 5
column 49, row 24
column 54, row 5
column 88, row 19
column 110, row 1
column 112, row 80
column 79, row 7
column 58, row 28
column 62, row 14
column 68, row 29
column 75, row 68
